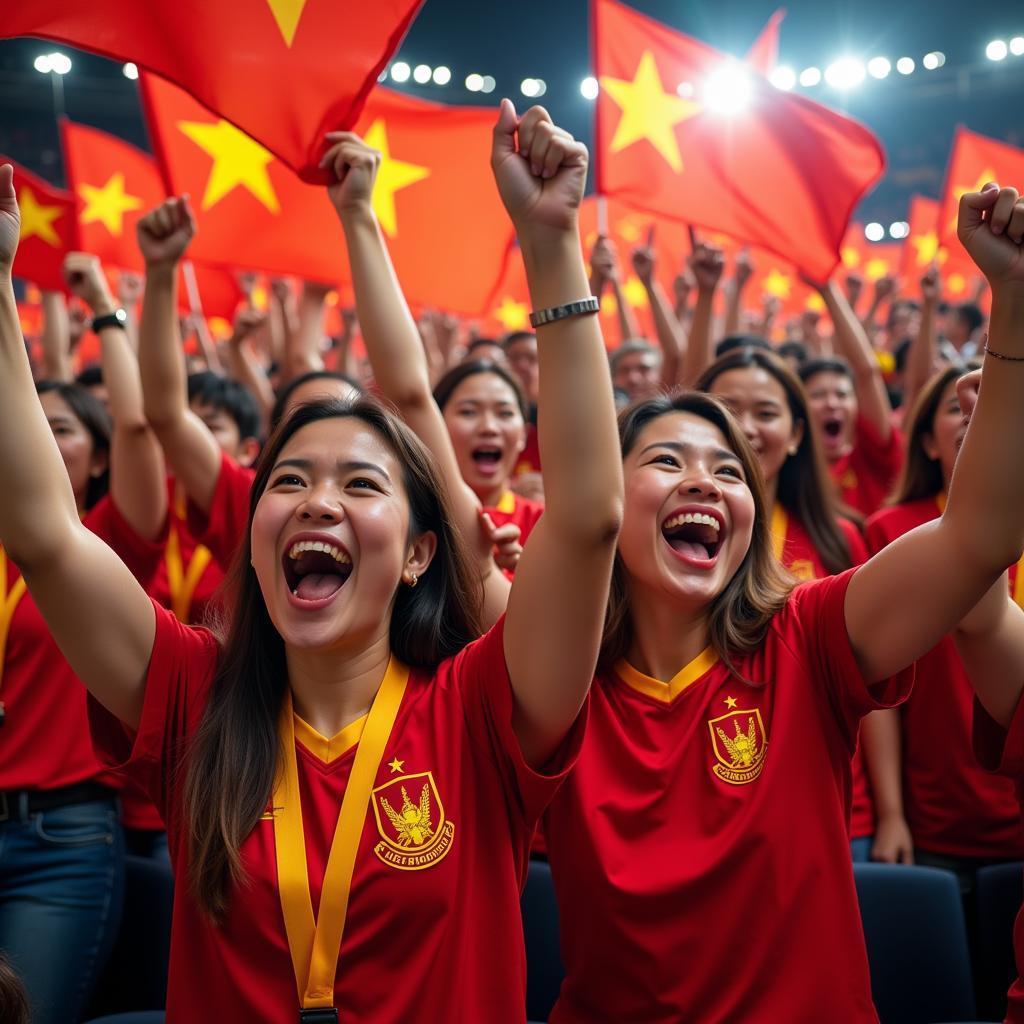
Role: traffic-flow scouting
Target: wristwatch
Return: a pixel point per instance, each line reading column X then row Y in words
column 119, row 318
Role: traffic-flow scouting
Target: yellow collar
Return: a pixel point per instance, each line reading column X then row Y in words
column 329, row 750
column 667, row 692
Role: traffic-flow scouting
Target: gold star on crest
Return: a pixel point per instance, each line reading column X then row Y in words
column 730, row 702
column 512, row 315
column 108, row 204
column 238, row 162
column 36, row 219
column 395, row 765
column 648, row 112
column 287, row 14
column 392, row 176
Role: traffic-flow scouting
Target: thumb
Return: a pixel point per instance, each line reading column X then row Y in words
column 974, row 204
column 505, row 128
column 7, row 182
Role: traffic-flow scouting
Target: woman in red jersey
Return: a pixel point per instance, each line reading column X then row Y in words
column 344, row 679
column 699, row 847
column 61, row 869
column 811, row 535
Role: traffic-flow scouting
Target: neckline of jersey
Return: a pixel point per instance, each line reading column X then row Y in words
column 662, row 692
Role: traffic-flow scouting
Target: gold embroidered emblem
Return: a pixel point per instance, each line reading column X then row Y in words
column 802, row 569
column 411, row 822
column 739, row 743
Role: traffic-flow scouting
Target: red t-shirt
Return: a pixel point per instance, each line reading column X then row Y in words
column 440, row 942
column 699, row 848
column 1001, row 750
column 44, row 741
column 952, row 806
column 868, row 473
column 223, row 528
column 529, row 457
column 512, row 508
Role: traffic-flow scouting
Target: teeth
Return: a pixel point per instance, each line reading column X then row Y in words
column 691, row 517
column 318, row 545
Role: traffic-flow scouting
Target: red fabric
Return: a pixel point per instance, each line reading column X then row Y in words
column 681, row 892
column 235, row 57
column 1002, row 750
column 923, row 247
column 223, row 528
column 763, row 55
column 47, row 228
column 446, row 937
column 529, row 458
column 868, row 473
column 784, row 174
column 953, row 807
column 524, row 514
column 45, row 732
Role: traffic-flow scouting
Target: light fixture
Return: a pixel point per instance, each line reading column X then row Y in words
column 130, row 71
column 488, row 84
column 474, row 82
column 899, row 229
column 421, row 73
column 783, row 78
column 60, row 63
column 528, row 87
column 845, row 73
column 400, row 71
column 1017, row 45
column 996, row 50
column 442, row 75
column 728, row 90
column 933, row 60
column 42, row 64
column 874, row 232
column 879, row 67
column 589, row 88
column 810, row 77
column 905, row 65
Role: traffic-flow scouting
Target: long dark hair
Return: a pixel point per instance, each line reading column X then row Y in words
column 234, row 754
column 89, row 411
column 457, row 374
column 922, row 476
column 740, row 615
column 804, row 488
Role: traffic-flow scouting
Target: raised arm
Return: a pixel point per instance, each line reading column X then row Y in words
column 393, row 342
column 556, row 610
column 851, row 342
column 55, row 341
column 671, row 336
column 137, row 477
column 190, row 449
column 99, row 615
column 743, row 268
column 304, row 348
column 604, row 273
column 924, row 348
column 243, row 364
column 706, row 263
column 901, row 602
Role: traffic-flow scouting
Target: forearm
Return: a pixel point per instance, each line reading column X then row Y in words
column 248, row 371
column 733, row 308
column 56, row 338
column 921, row 357
column 161, row 366
column 670, row 335
column 882, row 745
column 628, row 327
column 304, row 353
column 698, row 348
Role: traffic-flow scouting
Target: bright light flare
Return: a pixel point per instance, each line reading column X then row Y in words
column 996, row 50
column 905, row 65
column 879, row 67
column 589, row 88
column 728, row 90
column 874, row 232
column 810, row 77
column 421, row 73
column 130, row 71
column 400, row 71
column 442, row 75
column 783, row 78
column 845, row 73
column 899, row 229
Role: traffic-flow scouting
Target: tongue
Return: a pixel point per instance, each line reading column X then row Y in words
column 316, row 586
column 691, row 548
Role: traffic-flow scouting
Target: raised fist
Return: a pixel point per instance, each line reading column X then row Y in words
column 355, row 166
column 84, row 275
column 743, row 268
column 991, row 227
column 931, row 284
column 164, row 233
column 604, row 260
column 707, row 263
column 246, row 322
column 643, row 263
column 10, row 217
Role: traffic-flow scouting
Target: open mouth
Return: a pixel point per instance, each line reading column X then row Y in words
column 694, row 535
column 833, row 427
column 486, row 458
column 316, row 570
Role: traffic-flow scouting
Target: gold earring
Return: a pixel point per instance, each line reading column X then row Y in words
column 413, row 580
column 793, row 449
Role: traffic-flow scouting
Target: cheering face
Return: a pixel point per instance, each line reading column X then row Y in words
column 943, row 442
column 833, row 408
column 637, row 374
column 487, row 431
column 758, row 401
column 330, row 536
column 688, row 513
column 81, row 459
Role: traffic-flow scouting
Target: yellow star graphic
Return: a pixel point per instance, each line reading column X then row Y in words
column 635, row 293
column 815, row 303
column 876, row 268
column 36, row 219
column 648, row 112
column 730, row 702
column 287, row 14
column 108, row 204
column 392, row 176
column 928, row 249
column 512, row 315
column 395, row 765
column 238, row 161
column 778, row 284
column 849, row 256
column 956, row 284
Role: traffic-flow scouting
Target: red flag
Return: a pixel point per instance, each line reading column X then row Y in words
column 435, row 199
column 763, row 54
column 782, row 173
column 284, row 71
column 47, row 228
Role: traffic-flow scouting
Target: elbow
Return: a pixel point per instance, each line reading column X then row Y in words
column 597, row 528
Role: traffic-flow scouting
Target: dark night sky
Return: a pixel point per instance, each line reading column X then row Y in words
column 914, row 116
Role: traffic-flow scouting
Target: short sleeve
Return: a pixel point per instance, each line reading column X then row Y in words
column 481, row 676
column 141, row 556
column 998, row 749
column 177, row 684
column 223, row 528
column 816, row 615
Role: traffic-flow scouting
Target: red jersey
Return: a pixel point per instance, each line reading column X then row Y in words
column 1001, row 750
column 699, row 848
column 222, row 529
column 512, row 508
column 952, row 806
column 529, row 457
column 432, row 937
column 45, row 735
column 868, row 473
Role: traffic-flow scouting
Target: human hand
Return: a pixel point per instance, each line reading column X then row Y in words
column 604, row 261
column 854, row 288
column 885, row 287
column 503, row 542
column 707, row 263
column 540, row 171
column 990, row 224
column 164, row 233
column 10, row 218
column 644, row 259
column 743, row 268
column 246, row 322
column 355, row 166
column 967, row 388
column 893, row 842
column 129, row 288
column 931, row 284
column 85, row 278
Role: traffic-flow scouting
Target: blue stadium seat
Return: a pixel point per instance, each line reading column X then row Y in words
column 917, row 943
column 142, row 1017
column 1000, row 890
column 544, row 971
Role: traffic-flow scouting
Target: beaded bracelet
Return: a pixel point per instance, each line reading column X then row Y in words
column 999, row 355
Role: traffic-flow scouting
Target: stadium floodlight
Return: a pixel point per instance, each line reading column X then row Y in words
column 589, row 88
column 130, row 71
column 421, row 74
column 899, row 229
column 879, row 67
column 783, row 78
column 488, row 84
column 997, row 50
column 474, row 82
column 442, row 75
column 905, row 65
column 810, row 77
column 60, row 63
column 400, row 71
column 874, row 232
column 933, row 60
column 728, row 90
column 1017, row 46
column 845, row 73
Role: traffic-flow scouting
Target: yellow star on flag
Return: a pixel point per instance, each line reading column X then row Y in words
column 778, row 284
column 730, row 702
column 928, row 249
column 956, row 284
column 648, row 112
column 815, row 303
column 876, row 268
column 629, row 231
column 287, row 14
column 635, row 293
column 392, row 176
column 108, row 204
column 36, row 219
column 395, row 765
column 512, row 315
column 850, row 257
column 238, row 162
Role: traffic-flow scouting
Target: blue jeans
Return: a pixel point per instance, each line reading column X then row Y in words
column 61, row 888
column 860, row 849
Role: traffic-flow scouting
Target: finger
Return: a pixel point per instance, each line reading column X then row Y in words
column 999, row 217
column 7, row 181
column 506, row 533
column 486, row 522
column 529, row 123
column 503, row 137
column 1015, row 226
column 650, row 235
column 540, row 142
column 972, row 207
column 556, row 156
column 694, row 241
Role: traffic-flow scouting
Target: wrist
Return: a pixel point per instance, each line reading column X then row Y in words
column 158, row 269
column 357, row 213
column 103, row 305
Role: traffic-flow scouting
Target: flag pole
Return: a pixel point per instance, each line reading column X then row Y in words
column 195, row 306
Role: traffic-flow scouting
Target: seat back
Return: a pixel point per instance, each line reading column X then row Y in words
column 917, row 943
column 544, row 971
column 1000, row 891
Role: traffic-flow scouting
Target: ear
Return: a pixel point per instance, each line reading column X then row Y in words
column 248, row 452
column 929, row 447
column 797, row 436
column 99, row 463
column 419, row 556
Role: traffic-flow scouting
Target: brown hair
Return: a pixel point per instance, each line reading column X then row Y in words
column 921, row 476
column 804, row 490
column 234, row 753
column 739, row 616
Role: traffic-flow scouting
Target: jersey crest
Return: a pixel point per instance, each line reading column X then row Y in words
column 411, row 822
column 739, row 743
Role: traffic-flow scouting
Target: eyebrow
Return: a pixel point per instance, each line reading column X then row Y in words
column 343, row 465
column 687, row 449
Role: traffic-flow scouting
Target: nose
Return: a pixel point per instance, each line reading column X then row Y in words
column 320, row 505
column 748, row 426
column 698, row 481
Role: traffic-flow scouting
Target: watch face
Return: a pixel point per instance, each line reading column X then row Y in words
column 122, row 316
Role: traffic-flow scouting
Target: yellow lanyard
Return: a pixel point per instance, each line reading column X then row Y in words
column 182, row 582
column 10, row 603
column 780, row 524
column 506, row 503
column 315, row 943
